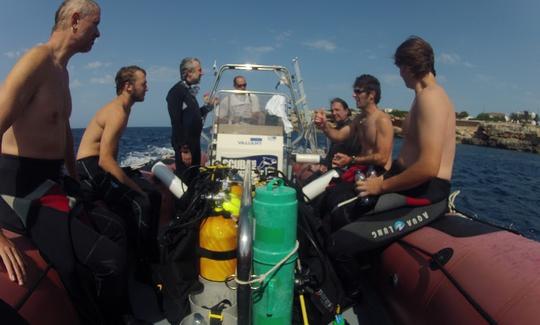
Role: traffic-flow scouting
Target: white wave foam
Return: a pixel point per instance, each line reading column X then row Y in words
column 140, row 158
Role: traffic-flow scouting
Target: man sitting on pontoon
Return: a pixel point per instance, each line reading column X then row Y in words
column 240, row 108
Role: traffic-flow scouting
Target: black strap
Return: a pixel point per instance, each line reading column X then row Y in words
column 215, row 315
column 218, row 256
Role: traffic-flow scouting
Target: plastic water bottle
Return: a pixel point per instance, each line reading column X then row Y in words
column 360, row 176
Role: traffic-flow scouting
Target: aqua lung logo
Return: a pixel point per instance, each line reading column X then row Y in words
column 251, row 141
column 399, row 226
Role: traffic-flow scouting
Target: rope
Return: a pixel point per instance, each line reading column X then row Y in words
column 261, row 278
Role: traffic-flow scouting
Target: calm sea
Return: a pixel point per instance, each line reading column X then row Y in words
column 496, row 185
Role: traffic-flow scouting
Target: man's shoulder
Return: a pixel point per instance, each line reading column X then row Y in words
column 177, row 89
column 431, row 92
column 433, row 98
column 381, row 115
column 34, row 59
column 112, row 112
column 39, row 53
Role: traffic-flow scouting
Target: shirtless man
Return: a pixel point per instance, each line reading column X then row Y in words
column 424, row 165
column 373, row 131
column 35, row 142
column 97, row 156
column 372, row 128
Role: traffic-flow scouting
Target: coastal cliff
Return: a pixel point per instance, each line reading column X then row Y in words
column 509, row 136
column 505, row 136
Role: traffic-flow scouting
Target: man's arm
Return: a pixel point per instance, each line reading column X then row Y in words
column 175, row 101
column 69, row 160
column 335, row 135
column 20, row 86
column 108, row 148
column 16, row 93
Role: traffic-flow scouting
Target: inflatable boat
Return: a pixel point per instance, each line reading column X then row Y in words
column 423, row 265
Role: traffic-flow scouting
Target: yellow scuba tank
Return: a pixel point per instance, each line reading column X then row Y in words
column 217, row 239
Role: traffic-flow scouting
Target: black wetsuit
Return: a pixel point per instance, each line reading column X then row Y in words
column 356, row 228
column 429, row 192
column 187, row 123
column 140, row 213
column 349, row 147
column 72, row 241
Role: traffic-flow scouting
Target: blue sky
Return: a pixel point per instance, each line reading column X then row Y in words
column 487, row 52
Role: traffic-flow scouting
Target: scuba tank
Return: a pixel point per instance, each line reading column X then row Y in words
column 218, row 234
column 217, row 242
column 275, row 208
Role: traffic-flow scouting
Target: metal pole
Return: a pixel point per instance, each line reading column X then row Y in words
column 245, row 251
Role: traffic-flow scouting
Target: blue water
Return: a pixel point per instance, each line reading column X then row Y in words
column 498, row 186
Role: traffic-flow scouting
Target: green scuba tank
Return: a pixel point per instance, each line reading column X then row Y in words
column 275, row 210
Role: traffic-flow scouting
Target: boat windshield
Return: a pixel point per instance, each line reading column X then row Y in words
column 251, row 112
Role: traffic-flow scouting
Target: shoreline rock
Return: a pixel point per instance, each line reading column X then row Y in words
column 510, row 136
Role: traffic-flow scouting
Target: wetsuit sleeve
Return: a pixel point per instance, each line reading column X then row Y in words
column 175, row 104
column 205, row 110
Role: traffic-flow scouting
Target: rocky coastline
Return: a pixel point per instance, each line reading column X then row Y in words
column 510, row 136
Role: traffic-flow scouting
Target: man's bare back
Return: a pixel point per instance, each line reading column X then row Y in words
column 102, row 135
column 430, row 124
column 40, row 86
column 91, row 141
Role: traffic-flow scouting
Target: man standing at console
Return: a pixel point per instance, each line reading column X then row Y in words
column 187, row 118
column 241, row 107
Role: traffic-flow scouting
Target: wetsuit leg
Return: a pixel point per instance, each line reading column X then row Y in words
column 151, row 217
column 76, row 249
column 104, row 252
column 140, row 212
column 338, row 208
column 67, row 243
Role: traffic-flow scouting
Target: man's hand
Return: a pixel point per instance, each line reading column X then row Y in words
column 186, row 157
column 210, row 101
column 320, row 119
column 371, row 186
column 341, row 160
column 13, row 261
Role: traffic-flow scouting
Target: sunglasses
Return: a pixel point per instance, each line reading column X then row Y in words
column 358, row 91
column 242, row 85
